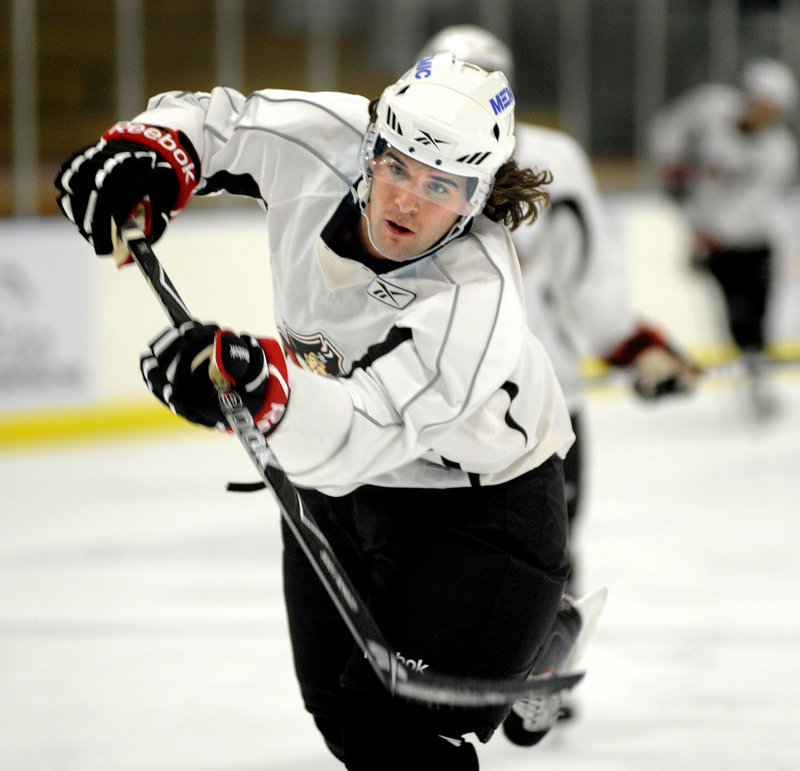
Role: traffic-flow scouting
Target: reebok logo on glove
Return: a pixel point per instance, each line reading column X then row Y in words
column 133, row 167
column 159, row 139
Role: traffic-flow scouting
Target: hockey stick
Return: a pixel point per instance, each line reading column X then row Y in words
column 428, row 687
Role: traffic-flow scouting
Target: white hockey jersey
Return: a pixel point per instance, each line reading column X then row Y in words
column 573, row 261
column 737, row 177
column 434, row 379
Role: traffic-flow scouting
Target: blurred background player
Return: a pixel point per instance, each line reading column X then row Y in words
column 726, row 155
column 578, row 304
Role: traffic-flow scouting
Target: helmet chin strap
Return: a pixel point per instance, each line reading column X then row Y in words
column 371, row 239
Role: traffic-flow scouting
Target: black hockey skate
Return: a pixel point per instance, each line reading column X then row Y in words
column 531, row 718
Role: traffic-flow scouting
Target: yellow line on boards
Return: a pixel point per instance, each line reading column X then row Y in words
column 110, row 420
column 96, row 421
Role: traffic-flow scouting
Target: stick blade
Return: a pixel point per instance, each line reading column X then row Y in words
column 479, row 692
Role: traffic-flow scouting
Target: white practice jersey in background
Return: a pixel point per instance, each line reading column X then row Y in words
column 573, row 262
column 436, row 379
column 738, row 177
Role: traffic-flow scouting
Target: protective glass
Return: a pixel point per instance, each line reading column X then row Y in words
column 450, row 191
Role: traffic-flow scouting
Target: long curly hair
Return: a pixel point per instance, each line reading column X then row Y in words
column 517, row 196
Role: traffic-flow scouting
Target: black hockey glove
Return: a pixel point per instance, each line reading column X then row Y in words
column 176, row 370
column 659, row 369
column 102, row 185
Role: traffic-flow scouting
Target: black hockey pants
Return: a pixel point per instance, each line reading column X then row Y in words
column 573, row 481
column 466, row 581
column 744, row 277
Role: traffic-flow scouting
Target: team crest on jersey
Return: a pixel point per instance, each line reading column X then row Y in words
column 314, row 352
column 390, row 294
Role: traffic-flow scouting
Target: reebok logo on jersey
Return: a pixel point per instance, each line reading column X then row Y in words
column 390, row 294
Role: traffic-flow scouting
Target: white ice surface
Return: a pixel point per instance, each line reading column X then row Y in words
column 141, row 621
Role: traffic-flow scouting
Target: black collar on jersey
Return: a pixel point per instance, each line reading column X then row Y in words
column 341, row 235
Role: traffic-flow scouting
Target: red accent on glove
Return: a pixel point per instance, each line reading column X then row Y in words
column 627, row 351
column 276, row 396
column 167, row 144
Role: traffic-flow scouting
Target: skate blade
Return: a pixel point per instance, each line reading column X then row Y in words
column 590, row 607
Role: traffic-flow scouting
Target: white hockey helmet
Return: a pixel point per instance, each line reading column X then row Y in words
column 472, row 44
column 770, row 81
column 452, row 116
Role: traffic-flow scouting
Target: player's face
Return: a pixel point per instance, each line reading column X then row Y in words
column 411, row 206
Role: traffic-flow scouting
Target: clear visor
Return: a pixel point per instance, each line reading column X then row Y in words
column 454, row 192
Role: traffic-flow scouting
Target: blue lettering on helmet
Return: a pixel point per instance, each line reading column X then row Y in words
column 423, row 69
column 501, row 100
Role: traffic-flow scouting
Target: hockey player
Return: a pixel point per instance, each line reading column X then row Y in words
column 575, row 286
column 726, row 154
column 431, row 449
